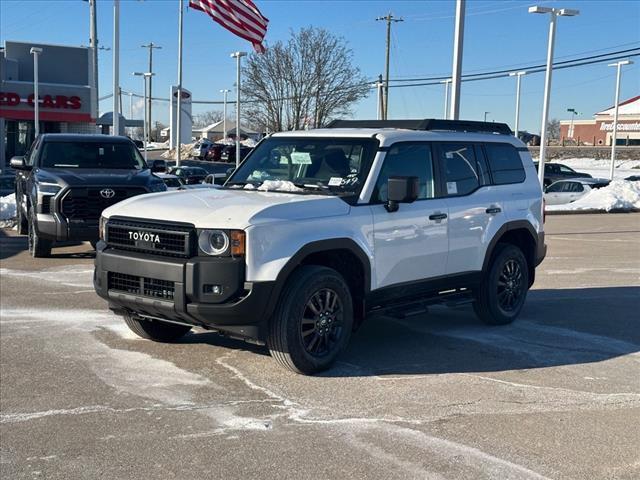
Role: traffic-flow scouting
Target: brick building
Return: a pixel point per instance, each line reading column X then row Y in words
column 598, row 131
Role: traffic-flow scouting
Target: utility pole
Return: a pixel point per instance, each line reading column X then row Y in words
column 458, row 40
column 446, row 97
column 116, row 67
column 150, row 46
column 518, row 76
column 389, row 18
column 379, row 84
column 93, row 43
column 614, row 133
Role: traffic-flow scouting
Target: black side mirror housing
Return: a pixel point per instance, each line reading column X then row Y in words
column 17, row 163
column 401, row 190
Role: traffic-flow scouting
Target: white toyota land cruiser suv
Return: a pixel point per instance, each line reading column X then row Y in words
column 316, row 229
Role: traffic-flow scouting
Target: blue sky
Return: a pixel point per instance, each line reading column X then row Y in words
column 498, row 34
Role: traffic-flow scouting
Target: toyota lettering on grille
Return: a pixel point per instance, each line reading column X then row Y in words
column 144, row 237
column 107, row 193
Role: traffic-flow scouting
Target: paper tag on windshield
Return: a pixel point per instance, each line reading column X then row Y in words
column 452, row 187
column 301, row 158
column 448, row 154
column 335, row 181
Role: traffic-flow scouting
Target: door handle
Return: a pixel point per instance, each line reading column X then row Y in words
column 493, row 210
column 437, row 216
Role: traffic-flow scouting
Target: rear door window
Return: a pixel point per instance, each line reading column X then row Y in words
column 556, row 187
column 505, row 163
column 460, row 169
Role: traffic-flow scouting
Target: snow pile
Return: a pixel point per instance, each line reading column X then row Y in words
column 601, row 167
column 8, row 211
column 186, row 151
column 619, row 196
column 281, row 185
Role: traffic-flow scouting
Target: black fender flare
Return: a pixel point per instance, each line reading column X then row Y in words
column 318, row 247
column 509, row 226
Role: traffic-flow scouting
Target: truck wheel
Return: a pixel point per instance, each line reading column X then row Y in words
column 38, row 246
column 22, row 224
column 503, row 290
column 313, row 320
column 155, row 330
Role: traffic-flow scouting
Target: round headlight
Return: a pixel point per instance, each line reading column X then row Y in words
column 213, row 242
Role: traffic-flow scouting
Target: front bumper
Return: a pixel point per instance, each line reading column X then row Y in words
column 541, row 248
column 54, row 226
column 241, row 308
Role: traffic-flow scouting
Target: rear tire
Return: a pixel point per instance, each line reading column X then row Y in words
column 313, row 321
column 155, row 330
column 503, row 289
column 38, row 246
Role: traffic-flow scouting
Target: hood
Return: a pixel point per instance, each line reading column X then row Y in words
column 85, row 177
column 228, row 208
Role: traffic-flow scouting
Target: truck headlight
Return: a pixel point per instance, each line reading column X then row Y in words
column 213, row 242
column 48, row 188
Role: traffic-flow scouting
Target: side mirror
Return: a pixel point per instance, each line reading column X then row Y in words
column 401, row 190
column 17, row 163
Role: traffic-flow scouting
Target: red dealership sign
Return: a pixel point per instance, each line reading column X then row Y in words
column 10, row 99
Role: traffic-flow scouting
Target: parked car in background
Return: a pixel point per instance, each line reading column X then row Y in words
column 158, row 166
column 7, row 184
column 633, row 178
column 214, row 153
column 557, row 171
column 137, row 143
column 201, row 147
column 172, row 182
column 229, row 153
column 568, row 191
column 216, row 178
column 65, row 181
column 189, row 175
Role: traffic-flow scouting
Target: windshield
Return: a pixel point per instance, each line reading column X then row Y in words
column 91, row 155
column 333, row 165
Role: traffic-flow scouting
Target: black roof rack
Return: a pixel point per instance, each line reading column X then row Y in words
column 426, row 124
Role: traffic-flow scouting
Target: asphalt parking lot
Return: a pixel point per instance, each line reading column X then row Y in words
column 555, row 395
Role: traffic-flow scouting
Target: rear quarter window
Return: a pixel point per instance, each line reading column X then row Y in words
column 505, row 163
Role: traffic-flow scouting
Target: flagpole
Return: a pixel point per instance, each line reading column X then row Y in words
column 238, row 56
column 179, row 100
column 116, row 67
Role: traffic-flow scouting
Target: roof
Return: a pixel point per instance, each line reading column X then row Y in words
column 81, row 137
column 628, row 107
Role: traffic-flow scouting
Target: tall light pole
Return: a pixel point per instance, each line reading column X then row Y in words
column 389, row 18
column 485, row 115
column 130, row 105
column 238, row 56
column 224, row 113
column 614, row 134
column 573, row 114
column 150, row 46
column 93, row 43
column 179, row 99
column 146, row 77
column 554, row 14
column 518, row 76
column 36, row 51
column 446, row 83
column 456, row 74
column 116, row 67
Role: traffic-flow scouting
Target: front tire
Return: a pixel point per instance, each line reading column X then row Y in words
column 155, row 330
column 313, row 321
column 38, row 246
column 503, row 289
column 22, row 222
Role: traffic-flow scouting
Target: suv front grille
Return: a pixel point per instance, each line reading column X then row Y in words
column 141, row 286
column 149, row 237
column 88, row 203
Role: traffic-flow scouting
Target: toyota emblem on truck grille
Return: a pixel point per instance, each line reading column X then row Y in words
column 107, row 193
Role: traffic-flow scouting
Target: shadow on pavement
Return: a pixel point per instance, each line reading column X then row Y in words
column 11, row 245
column 557, row 327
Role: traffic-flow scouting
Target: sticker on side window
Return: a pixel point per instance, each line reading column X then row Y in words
column 452, row 188
column 301, row 158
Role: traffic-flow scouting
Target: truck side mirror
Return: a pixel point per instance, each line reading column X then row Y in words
column 18, row 163
column 401, row 190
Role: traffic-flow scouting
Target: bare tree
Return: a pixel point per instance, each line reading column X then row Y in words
column 553, row 129
column 303, row 83
column 207, row 118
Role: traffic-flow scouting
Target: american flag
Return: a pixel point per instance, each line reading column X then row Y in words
column 240, row 17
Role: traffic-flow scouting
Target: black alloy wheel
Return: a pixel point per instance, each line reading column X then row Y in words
column 322, row 323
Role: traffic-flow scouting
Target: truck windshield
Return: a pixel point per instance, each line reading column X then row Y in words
column 91, row 155
column 333, row 165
